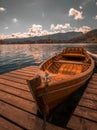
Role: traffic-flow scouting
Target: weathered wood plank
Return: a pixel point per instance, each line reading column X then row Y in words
column 93, row 82
column 18, row 76
column 87, row 113
column 24, row 119
column 77, row 123
column 17, row 92
column 90, row 96
column 91, row 90
column 28, row 71
column 11, row 78
column 21, row 73
column 88, row 103
column 19, row 102
column 95, row 74
column 92, row 86
column 94, row 78
column 31, row 68
column 13, row 84
column 6, row 125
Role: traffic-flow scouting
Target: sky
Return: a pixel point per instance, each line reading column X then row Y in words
column 24, row 18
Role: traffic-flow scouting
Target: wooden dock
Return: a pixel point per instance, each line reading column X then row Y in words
column 17, row 107
column 18, row 110
column 85, row 115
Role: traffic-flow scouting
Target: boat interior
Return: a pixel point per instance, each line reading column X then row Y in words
column 71, row 61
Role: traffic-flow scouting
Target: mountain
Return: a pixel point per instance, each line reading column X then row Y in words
column 62, row 36
column 54, row 37
column 69, row 37
column 89, row 37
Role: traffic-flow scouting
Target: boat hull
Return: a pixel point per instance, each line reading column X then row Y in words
column 50, row 94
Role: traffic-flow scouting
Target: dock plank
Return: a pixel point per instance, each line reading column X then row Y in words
column 93, row 82
column 18, row 76
column 11, row 78
column 92, row 86
column 28, row 71
column 24, row 119
column 23, row 74
column 19, row 102
column 17, row 92
column 86, row 113
column 6, row 125
column 78, row 123
column 84, row 116
column 88, row 103
column 91, row 90
column 12, row 83
column 90, row 96
column 18, row 109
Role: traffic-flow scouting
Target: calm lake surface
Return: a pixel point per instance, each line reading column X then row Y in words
column 17, row 56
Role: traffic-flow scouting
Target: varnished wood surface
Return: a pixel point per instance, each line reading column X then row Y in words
column 85, row 115
column 17, row 106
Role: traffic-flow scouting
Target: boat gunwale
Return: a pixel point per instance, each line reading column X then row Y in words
column 76, row 76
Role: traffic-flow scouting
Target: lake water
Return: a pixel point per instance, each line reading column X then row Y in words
column 16, row 56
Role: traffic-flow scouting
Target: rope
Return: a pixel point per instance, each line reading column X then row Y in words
column 46, row 100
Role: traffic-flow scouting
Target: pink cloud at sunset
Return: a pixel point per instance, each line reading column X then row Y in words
column 77, row 14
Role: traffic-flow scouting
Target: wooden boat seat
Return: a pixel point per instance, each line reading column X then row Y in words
column 74, row 55
column 73, row 62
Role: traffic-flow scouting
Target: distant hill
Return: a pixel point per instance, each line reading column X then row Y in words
column 90, row 37
column 54, row 37
column 69, row 37
column 62, row 36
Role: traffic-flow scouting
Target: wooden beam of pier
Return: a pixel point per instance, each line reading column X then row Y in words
column 85, row 115
column 18, row 110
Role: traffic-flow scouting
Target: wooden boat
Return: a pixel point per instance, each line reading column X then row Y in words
column 94, row 56
column 65, row 73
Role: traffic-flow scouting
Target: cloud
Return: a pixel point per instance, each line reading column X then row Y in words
column 87, row 2
column 35, row 30
column 80, row 7
column 6, row 28
column 83, row 29
column 2, row 9
column 15, row 20
column 77, row 14
column 60, row 27
column 96, row 17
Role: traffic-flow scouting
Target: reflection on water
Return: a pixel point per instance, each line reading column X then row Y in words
column 17, row 56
